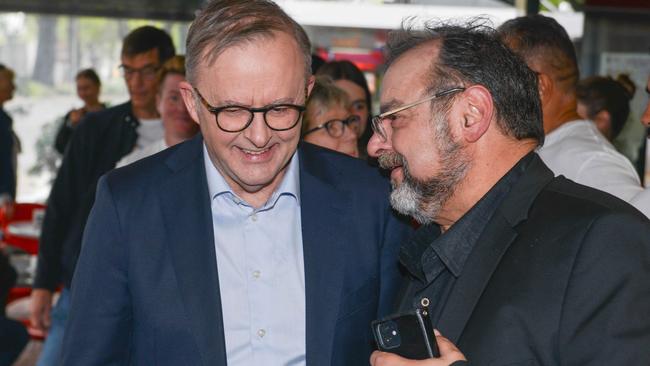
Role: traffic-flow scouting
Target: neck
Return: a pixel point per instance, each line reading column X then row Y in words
column 488, row 166
column 145, row 113
column 171, row 139
column 559, row 111
column 93, row 106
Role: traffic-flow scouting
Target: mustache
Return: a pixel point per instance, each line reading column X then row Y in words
column 390, row 160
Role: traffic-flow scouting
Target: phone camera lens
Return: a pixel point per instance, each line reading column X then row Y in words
column 390, row 336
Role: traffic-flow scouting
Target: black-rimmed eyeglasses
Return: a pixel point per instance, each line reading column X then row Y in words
column 236, row 118
column 377, row 120
column 336, row 127
column 148, row 72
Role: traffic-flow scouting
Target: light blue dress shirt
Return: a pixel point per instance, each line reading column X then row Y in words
column 261, row 271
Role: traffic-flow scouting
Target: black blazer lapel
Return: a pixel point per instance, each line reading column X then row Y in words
column 493, row 243
column 323, row 210
column 187, row 220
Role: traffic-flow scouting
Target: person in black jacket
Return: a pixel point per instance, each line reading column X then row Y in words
column 101, row 139
column 9, row 143
column 513, row 265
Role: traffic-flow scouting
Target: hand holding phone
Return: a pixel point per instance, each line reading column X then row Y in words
column 409, row 335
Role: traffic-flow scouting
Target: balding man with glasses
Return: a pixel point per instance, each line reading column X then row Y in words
column 241, row 246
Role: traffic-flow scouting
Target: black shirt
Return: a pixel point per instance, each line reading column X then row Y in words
column 434, row 261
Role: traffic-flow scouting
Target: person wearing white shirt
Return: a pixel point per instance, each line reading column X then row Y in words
column 176, row 121
column 573, row 147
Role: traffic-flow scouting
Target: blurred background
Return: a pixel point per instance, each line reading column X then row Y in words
column 47, row 41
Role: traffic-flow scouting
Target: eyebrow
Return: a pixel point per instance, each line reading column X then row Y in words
column 391, row 104
column 230, row 102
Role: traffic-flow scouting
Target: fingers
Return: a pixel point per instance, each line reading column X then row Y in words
column 41, row 306
column 448, row 351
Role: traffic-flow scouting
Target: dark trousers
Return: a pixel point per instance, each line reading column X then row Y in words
column 13, row 338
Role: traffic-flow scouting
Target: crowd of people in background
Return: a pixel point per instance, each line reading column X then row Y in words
column 207, row 151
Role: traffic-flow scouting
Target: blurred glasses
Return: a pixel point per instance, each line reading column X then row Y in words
column 148, row 72
column 377, row 121
column 336, row 127
column 236, row 118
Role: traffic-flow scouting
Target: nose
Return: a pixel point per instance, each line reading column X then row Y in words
column 258, row 132
column 376, row 146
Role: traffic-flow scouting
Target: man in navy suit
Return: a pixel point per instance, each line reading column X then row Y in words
column 241, row 246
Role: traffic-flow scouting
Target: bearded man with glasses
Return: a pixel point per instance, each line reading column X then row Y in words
column 512, row 265
column 241, row 246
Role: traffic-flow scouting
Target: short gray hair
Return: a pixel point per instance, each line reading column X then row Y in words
column 224, row 23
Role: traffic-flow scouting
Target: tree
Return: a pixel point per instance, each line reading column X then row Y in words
column 46, row 50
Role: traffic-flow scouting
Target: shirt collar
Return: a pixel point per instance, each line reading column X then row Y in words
column 290, row 184
column 454, row 246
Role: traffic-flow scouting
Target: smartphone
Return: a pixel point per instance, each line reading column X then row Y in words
column 409, row 335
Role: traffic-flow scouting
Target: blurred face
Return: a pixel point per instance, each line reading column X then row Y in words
column 425, row 160
column 645, row 118
column 7, row 87
column 358, row 103
column 174, row 115
column 346, row 143
column 141, row 78
column 254, row 74
column 87, row 90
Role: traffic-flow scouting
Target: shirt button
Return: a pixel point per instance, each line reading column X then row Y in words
column 261, row 333
column 254, row 217
column 257, row 274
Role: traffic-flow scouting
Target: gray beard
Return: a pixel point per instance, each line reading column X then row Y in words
column 423, row 199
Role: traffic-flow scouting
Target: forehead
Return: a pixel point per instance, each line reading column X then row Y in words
column 141, row 59
column 353, row 90
column 408, row 76
column 265, row 66
column 171, row 81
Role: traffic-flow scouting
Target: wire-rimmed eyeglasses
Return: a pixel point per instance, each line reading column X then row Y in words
column 336, row 127
column 236, row 118
column 377, row 120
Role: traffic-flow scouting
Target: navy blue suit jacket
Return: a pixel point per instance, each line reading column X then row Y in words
column 146, row 288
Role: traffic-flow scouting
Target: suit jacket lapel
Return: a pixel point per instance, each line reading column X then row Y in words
column 323, row 209
column 187, row 217
column 493, row 243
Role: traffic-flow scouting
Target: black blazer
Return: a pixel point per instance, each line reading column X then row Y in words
column 146, row 289
column 560, row 276
column 99, row 142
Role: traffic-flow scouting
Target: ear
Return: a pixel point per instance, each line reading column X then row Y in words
column 477, row 112
column 546, row 86
column 187, row 91
column 310, row 86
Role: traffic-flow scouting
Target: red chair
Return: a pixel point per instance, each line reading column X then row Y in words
column 23, row 212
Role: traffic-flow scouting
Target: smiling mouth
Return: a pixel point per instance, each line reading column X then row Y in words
column 257, row 155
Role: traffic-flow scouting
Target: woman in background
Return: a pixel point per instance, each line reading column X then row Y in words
column 327, row 121
column 88, row 89
column 606, row 102
column 349, row 78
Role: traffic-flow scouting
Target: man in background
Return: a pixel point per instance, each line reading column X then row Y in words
column 573, row 147
column 101, row 139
